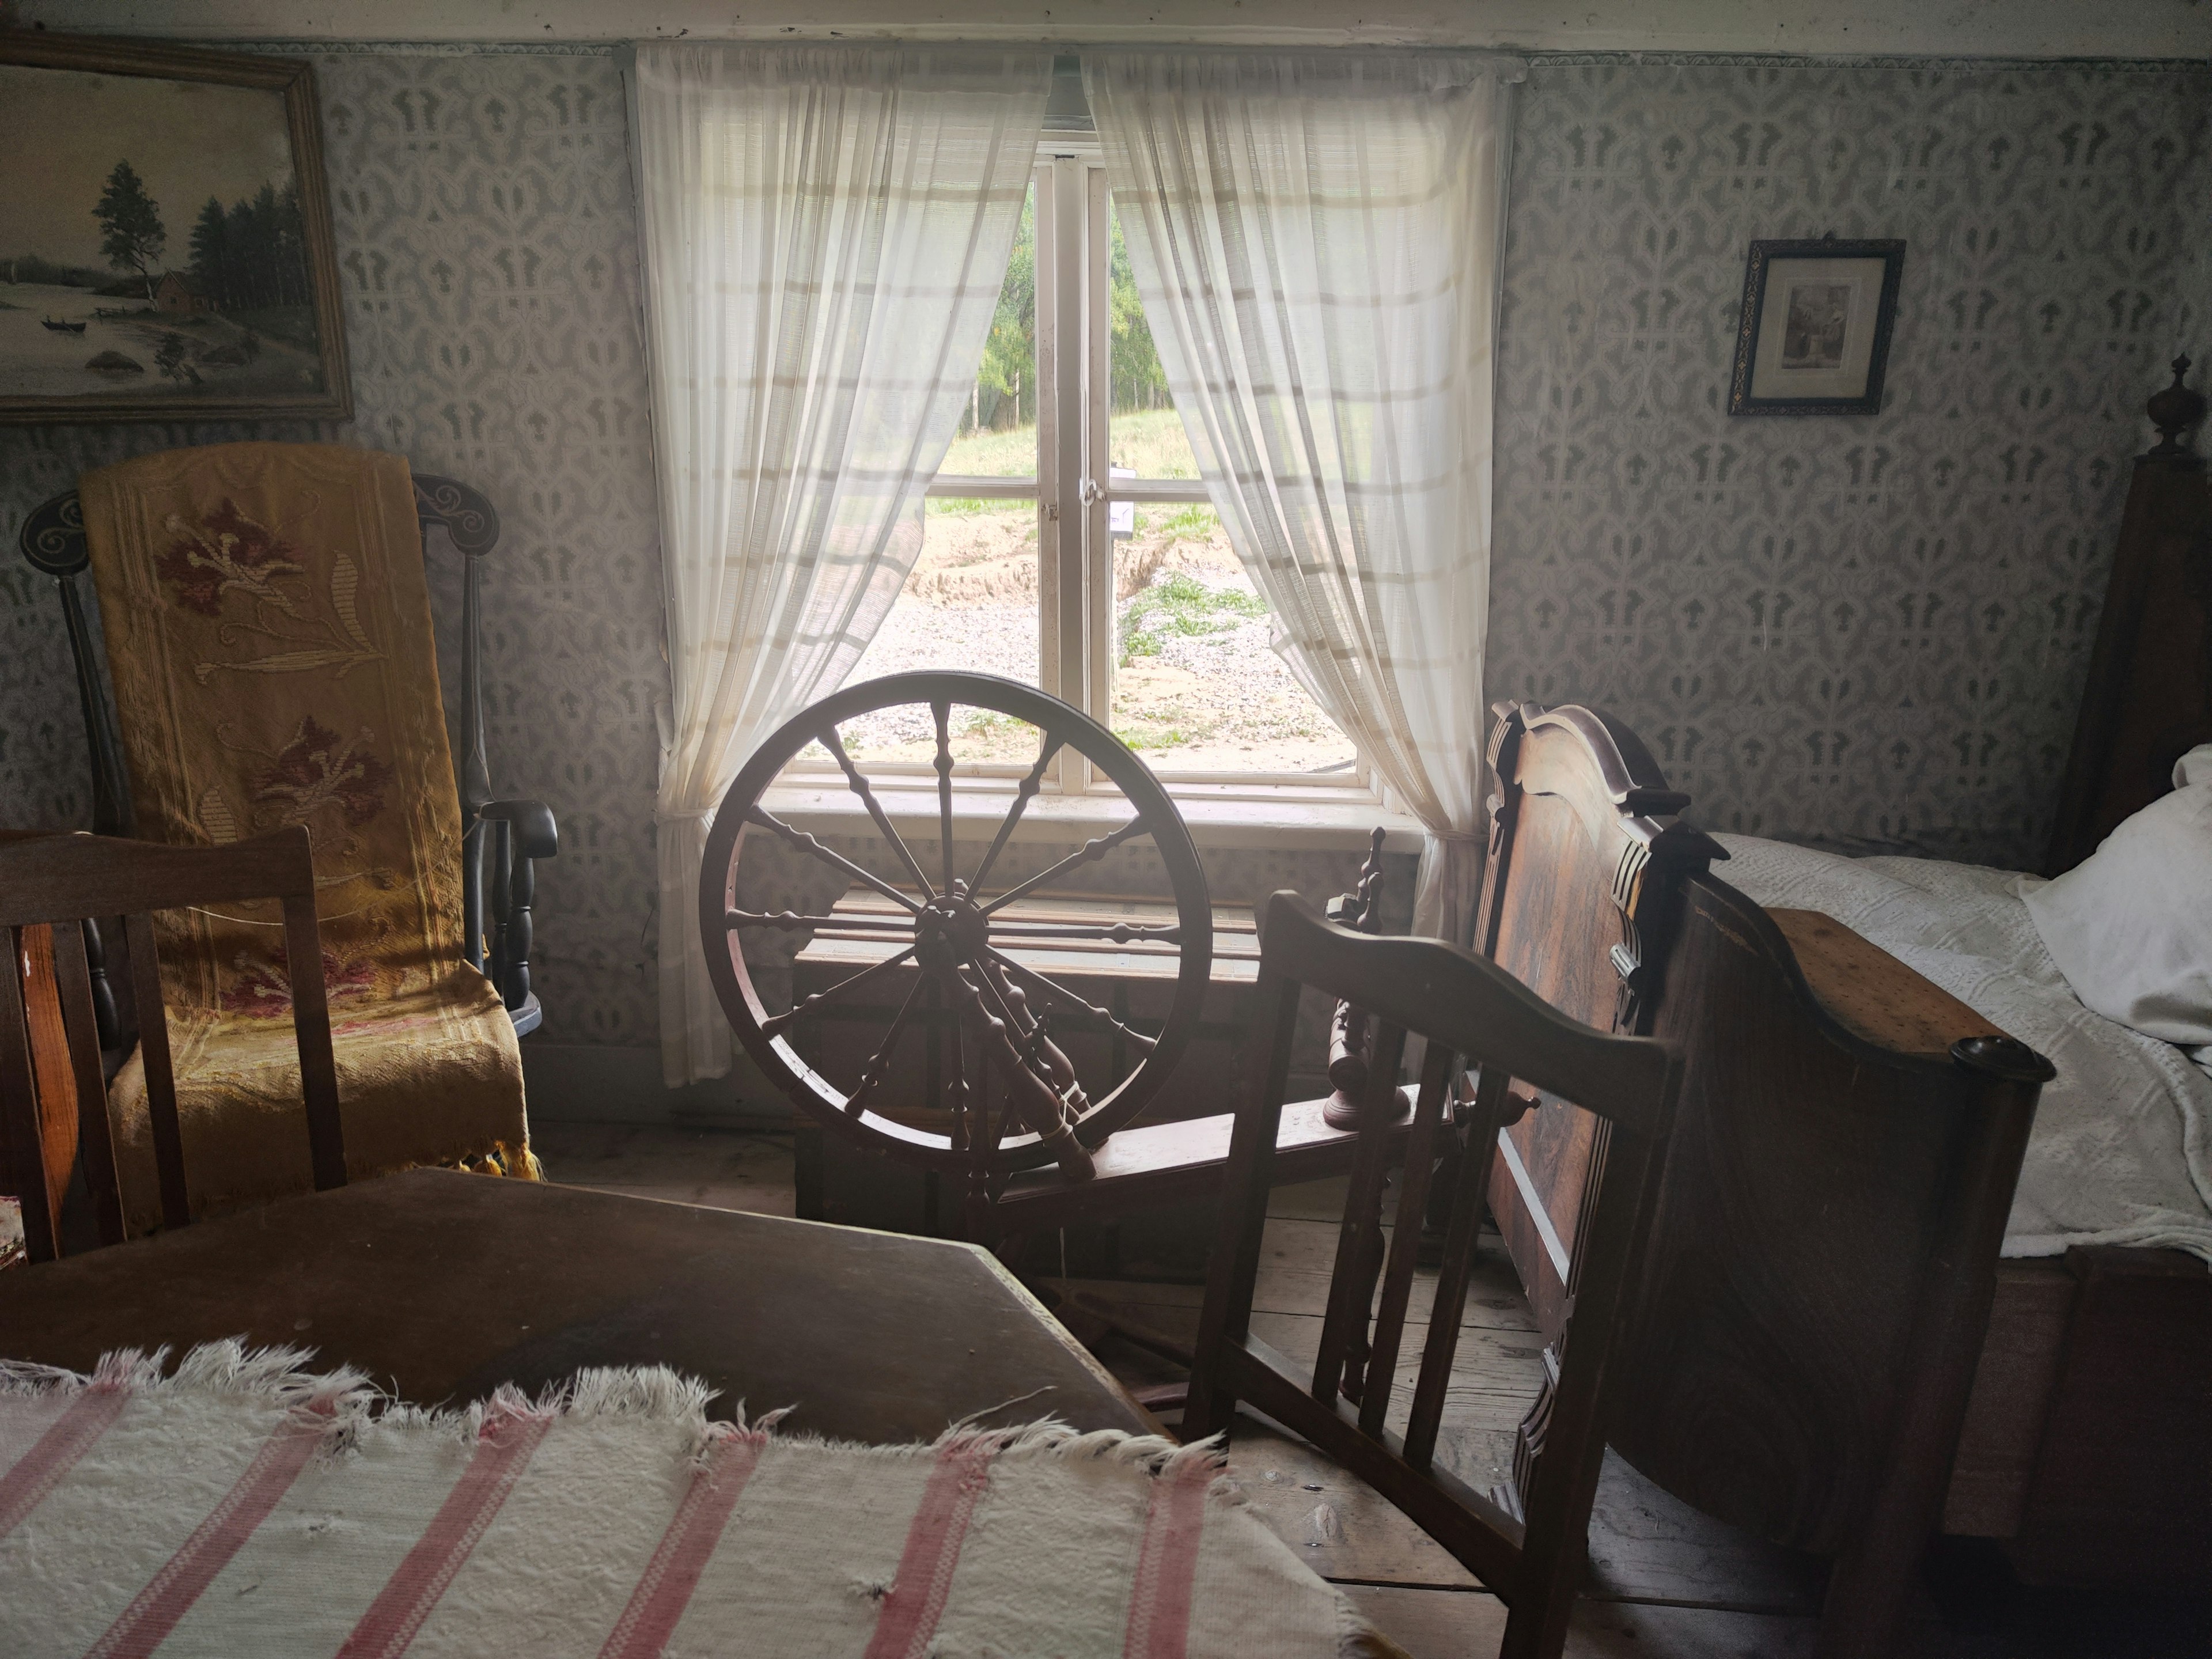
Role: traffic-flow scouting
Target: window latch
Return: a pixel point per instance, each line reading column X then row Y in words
column 1093, row 495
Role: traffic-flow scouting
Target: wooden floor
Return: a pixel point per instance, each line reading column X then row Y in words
column 1666, row 1583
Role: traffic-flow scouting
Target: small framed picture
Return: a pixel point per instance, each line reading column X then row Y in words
column 1816, row 322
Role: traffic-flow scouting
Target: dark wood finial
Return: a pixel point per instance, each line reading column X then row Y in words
column 2175, row 410
column 1361, row 910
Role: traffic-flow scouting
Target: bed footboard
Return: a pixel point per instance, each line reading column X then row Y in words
column 1822, row 1268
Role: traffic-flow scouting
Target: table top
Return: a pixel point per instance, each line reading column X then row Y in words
column 442, row 1285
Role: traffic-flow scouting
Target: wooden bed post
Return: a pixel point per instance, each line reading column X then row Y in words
column 2149, row 695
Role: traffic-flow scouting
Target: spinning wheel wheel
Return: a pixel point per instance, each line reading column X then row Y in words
column 1006, row 1095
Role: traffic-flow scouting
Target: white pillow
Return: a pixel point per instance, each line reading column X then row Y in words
column 2132, row 925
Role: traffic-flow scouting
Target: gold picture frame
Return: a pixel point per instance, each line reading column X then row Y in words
column 193, row 277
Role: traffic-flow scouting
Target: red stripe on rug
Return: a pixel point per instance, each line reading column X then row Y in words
column 56, row 1452
column 917, row 1596
column 171, row 1593
column 665, row 1590
column 504, row 1447
column 1167, row 1565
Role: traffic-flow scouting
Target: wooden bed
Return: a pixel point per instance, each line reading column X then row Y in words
column 1828, row 1349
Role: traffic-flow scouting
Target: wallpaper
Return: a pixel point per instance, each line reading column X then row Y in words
column 486, row 245
column 1870, row 630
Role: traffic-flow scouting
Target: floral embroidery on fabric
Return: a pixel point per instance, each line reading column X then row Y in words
column 226, row 551
column 318, row 769
column 261, row 990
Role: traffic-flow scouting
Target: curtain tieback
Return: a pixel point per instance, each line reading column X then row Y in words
column 682, row 814
column 1460, row 837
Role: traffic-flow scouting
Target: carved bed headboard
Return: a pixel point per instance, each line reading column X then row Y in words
column 2150, row 694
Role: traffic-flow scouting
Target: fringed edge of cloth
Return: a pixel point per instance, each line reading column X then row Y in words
column 281, row 1376
column 515, row 1163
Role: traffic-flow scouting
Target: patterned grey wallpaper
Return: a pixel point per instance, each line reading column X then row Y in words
column 1832, row 628
column 487, row 248
column 1873, row 627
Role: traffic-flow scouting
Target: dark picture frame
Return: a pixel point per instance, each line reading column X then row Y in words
column 1816, row 322
column 199, row 283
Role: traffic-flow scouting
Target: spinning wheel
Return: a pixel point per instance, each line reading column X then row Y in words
column 1003, row 1094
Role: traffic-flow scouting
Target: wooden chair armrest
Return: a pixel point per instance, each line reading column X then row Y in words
column 536, row 835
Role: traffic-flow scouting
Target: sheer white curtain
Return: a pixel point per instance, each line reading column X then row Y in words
column 1317, row 239
column 825, row 234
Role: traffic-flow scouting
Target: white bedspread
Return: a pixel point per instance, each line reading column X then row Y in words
column 2122, row 1153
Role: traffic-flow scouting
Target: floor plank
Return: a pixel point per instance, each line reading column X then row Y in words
column 721, row 1169
column 1430, row 1624
column 1309, row 1200
column 1296, row 1258
column 1339, row 1526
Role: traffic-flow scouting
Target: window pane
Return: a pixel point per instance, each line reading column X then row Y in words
column 971, row 599
column 1197, row 687
column 1145, row 437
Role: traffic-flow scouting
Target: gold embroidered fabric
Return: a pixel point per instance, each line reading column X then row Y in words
column 269, row 642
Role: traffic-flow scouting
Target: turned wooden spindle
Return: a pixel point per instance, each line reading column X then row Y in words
column 1030, row 1095
column 1361, row 910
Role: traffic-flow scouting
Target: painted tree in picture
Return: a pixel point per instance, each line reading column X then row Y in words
column 253, row 252
column 133, row 235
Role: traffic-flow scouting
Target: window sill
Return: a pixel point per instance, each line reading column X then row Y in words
column 1306, row 818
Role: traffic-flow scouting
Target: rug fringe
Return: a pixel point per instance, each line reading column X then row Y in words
column 275, row 1375
column 279, row 1374
column 656, row 1393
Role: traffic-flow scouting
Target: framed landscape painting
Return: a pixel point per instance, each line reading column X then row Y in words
column 165, row 237
column 1817, row 317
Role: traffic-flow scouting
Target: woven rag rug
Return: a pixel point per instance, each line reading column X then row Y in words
column 244, row 1506
column 269, row 641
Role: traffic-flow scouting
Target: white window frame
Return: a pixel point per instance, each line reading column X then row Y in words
column 1075, row 549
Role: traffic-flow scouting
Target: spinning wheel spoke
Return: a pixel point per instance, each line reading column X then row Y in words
column 786, row 921
column 1024, row 793
column 859, row 785
column 800, row 839
column 776, row 1024
column 1084, row 854
column 942, row 709
column 1052, row 991
column 879, row 1063
column 1118, row 933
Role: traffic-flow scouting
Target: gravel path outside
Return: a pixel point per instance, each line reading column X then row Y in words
column 1219, row 700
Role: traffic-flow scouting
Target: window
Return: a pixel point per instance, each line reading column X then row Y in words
column 1068, row 541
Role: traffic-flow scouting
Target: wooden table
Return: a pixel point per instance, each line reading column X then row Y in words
column 442, row 1285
